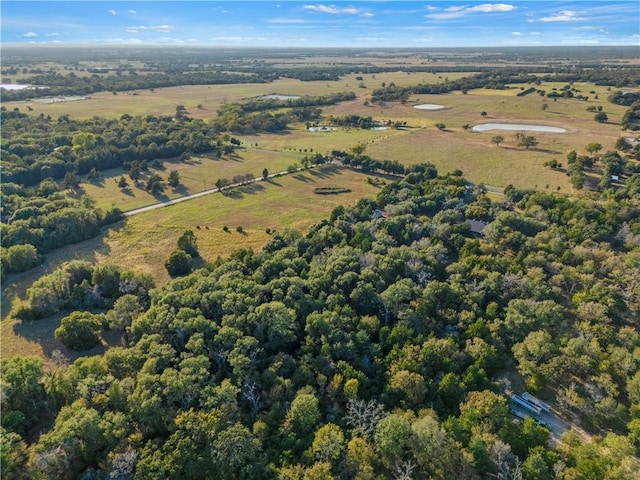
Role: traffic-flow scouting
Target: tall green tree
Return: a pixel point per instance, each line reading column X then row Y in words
column 188, row 243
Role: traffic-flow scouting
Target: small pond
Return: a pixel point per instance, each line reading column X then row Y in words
column 275, row 96
column 379, row 128
column 13, row 86
column 485, row 127
column 429, row 106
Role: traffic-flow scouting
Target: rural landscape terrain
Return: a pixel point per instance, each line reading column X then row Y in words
column 350, row 263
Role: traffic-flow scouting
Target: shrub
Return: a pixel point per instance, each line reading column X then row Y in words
column 178, row 263
column 79, row 331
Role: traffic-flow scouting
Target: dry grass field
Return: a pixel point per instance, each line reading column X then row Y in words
column 197, row 174
column 163, row 101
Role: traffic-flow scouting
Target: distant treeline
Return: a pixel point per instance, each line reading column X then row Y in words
column 500, row 79
column 259, row 104
column 261, row 73
column 74, row 85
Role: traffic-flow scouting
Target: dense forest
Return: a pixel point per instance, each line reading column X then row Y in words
column 382, row 343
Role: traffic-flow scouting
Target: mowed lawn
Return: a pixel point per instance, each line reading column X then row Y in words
column 143, row 242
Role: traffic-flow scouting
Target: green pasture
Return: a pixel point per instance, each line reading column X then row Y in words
column 197, row 174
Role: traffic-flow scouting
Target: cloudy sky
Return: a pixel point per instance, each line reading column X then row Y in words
column 323, row 24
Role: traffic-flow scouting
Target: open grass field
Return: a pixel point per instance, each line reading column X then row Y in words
column 299, row 139
column 143, row 242
column 197, row 174
column 163, row 101
column 480, row 160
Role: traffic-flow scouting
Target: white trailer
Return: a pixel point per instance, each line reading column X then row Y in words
column 521, row 402
column 536, row 401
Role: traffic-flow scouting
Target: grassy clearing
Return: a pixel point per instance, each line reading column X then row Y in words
column 375, row 80
column 480, row 160
column 301, row 141
column 198, row 174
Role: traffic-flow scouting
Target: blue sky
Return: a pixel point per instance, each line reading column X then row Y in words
column 323, row 24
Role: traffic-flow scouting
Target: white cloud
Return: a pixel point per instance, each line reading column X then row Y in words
column 112, row 12
column 516, row 33
column 563, row 16
column 132, row 12
column 52, row 34
column 333, row 10
column 492, row 7
column 461, row 11
column 153, row 28
column 30, row 35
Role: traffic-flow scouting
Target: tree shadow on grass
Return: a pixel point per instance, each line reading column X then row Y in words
column 532, row 149
column 97, row 181
column 234, row 193
column 545, row 150
column 271, row 181
column 239, row 192
column 160, row 196
column 180, row 189
column 42, row 332
column 234, row 157
column 252, row 188
column 77, row 192
column 326, row 172
column 302, row 178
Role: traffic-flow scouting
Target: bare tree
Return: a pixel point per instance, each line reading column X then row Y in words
column 364, row 416
column 402, row 470
column 508, row 464
column 250, row 393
